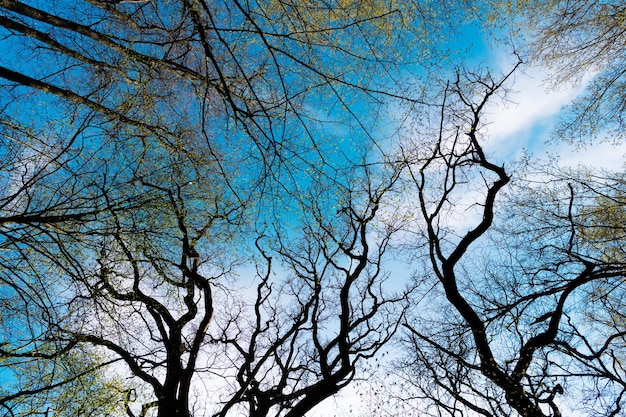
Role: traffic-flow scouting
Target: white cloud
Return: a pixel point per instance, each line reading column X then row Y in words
column 603, row 155
column 525, row 122
column 531, row 103
column 525, row 119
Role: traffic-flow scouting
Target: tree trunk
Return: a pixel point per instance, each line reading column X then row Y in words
column 170, row 406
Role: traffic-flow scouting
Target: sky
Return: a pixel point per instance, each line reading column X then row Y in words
column 521, row 125
column 527, row 121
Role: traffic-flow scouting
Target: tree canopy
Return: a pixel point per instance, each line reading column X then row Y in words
column 582, row 42
column 243, row 208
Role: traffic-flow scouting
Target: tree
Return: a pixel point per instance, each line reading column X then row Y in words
column 64, row 383
column 208, row 72
column 117, row 210
column 57, row 218
column 185, row 213
column 577, row 41
column 47, row 191
column 516, row 342
column 141, row 294
column 141, row 288
column 580, row 220
column 329, row 314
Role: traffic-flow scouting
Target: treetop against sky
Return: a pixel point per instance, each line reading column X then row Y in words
column 238, row 208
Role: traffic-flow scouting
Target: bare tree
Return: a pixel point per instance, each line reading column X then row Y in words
column 134, row 283
column 77, row 225
column 48, row 190
column 577, row 227
column 508, row 346
column 310, row 330
column 144, row 296
column 242, row 80
column 202, row 122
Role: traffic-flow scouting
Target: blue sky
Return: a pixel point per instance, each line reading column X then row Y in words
column 522, row 124
column 527, row 121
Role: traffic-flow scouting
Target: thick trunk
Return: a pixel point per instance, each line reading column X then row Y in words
column 170, row 406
